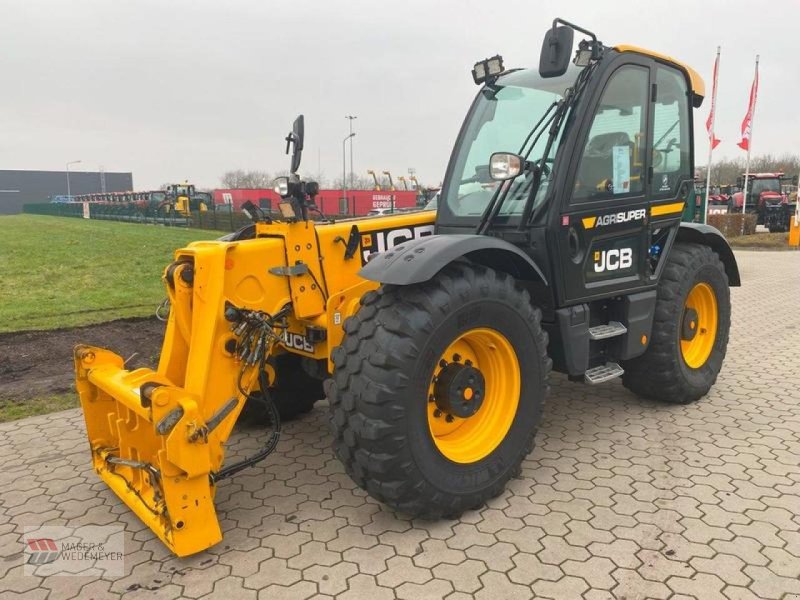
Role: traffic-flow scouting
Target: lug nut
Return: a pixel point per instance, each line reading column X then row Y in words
column 437, row 413
column 449, row 418
column 456, row 357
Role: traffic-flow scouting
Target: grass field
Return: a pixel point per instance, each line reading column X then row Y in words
column 11, row 410
column 62, row 272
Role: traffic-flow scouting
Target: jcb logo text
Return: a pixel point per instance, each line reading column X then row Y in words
column 386, row 239
column 613, row 260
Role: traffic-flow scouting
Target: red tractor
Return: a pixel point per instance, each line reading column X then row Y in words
column 765, row 200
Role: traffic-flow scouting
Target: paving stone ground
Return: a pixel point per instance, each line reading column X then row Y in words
column 622, row 498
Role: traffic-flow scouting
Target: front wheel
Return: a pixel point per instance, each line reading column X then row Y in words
column 690, row 329
column 438, row 390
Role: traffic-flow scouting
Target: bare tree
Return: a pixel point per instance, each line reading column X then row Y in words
column 361, row 182
column 726, row 171
column 240, row 178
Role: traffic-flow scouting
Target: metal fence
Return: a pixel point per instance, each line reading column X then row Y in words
column 220, row 217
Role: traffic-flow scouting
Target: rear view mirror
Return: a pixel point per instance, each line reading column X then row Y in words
column 505, row 165
column 296, row 139
column 556, row 51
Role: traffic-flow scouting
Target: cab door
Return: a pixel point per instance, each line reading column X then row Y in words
column 602, row 237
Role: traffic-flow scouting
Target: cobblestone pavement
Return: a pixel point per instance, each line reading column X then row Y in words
column 622, row 498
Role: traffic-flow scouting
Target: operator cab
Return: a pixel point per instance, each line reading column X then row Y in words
column 586, row 167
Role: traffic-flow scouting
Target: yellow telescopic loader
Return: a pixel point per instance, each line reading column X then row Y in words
column 558, row 243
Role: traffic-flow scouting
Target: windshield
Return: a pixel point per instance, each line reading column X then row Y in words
column 433, row 203
column 500, row 121
column 766, row 185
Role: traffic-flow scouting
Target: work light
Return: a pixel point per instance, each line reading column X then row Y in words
column 488, row 69
column 583, row 54
column 281, row 186
column 287, row 210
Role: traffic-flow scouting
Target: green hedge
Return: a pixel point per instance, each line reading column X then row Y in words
column 734, row 225
column 222, row 219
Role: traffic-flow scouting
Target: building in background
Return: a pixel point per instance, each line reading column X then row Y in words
column 330, row 202
column 25, row 187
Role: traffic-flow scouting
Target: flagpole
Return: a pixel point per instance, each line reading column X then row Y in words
column 749, row 146
column 711, row 133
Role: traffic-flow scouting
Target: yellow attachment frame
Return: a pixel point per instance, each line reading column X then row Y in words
column 157, row 437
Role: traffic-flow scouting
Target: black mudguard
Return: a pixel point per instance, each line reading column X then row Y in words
column 707, row 235
column 419, row 260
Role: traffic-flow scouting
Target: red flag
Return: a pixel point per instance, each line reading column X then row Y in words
column 710, row 121
column 747, row 123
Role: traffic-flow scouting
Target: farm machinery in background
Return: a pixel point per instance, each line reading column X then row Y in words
column 766, row 199
column 719, row 197
column 176, row 201
column 183, row 199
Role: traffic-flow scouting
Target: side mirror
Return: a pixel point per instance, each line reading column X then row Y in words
column 295, row 139
column 556, row 51
column 504, row 165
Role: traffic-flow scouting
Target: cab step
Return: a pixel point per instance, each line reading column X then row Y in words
column 603, row 373
column 609, row 330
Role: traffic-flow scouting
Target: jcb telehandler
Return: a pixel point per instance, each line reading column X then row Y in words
column 183, row 199
column 558, row 242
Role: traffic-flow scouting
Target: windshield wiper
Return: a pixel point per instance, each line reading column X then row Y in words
column 496, row 201
column 570, row 98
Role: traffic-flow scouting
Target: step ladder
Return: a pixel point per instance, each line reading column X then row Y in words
column 609, row 330
column 603, row 373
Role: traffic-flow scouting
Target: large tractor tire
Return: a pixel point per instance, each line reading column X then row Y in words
column 438, row 390
column 294, row 393
column 690, row 329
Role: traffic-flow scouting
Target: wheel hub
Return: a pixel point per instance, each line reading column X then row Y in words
column 690, row 324
column 459, row 390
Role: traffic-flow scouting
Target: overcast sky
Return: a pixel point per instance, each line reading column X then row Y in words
column 174, row 90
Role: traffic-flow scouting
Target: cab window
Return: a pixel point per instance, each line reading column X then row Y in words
column 671, row 144
column 612, row 164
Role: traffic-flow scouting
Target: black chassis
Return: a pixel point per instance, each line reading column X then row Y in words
column 547, row 255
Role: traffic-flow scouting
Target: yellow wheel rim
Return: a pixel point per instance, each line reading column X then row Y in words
column 469, row 439
column 699, row 325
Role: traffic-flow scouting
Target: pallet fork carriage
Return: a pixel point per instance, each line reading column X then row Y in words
column 557, row 244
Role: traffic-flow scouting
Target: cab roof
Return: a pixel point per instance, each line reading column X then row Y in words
column 695, row 81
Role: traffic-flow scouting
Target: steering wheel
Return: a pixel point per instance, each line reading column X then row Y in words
column 481, row 176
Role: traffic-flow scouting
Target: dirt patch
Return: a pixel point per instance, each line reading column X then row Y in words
column 37, row 363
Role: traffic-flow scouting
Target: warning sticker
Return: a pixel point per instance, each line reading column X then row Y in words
column 621, row 159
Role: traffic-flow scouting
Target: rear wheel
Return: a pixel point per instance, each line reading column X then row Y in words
column 438, row 390
column 690, row 329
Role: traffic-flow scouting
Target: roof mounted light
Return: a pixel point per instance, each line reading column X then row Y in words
column 583, row 55
column 488, row 69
